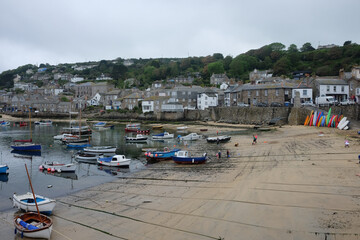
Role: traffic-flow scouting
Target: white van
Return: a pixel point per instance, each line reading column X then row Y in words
column 325, row 101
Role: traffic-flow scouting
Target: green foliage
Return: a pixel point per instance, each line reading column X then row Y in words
column 64, row 99
column 216, row 67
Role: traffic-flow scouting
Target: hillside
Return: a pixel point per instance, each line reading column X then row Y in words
column 275, row 56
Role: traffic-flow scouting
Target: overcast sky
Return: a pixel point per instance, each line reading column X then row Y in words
column 68, row 31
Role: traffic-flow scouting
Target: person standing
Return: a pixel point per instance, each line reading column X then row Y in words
column 254, row 139
column 219, row 154
column 228, row 153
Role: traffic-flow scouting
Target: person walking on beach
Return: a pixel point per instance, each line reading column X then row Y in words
column 254, row 139
column 228, row 153
column 347, row 143
column 219, row 155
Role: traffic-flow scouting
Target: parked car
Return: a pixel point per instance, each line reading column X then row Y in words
column 276, row 104
column 243, row 105
column 260, row 104
column 347, row 102
column 308, row 103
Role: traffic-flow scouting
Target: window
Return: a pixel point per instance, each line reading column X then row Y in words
column 277, row 92
column 286, row 92
column 304, row 92
column 257, row 93
column 266, row 93
column 342, row 89
column 334, row 88
column 249, row 93
column 328, row 88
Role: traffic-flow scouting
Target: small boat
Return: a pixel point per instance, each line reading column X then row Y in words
column 164, row 135
column 4, row 169
column 99, row 124
column 157, row 126
column 67, row 175
column 114, row 161
column 76, row 130
column 45, row 122
column 26, row 202
column 23, row 124
column 26, row 146
column 137, row 138
column 203, row 129
column 190, row 137
column 184, row 157
column 27, row 153
column 131, row 129
column 58, row 167
column 218, row 139
column 100, row 149
column 182, row 128
column 88, row 157
column 161, row 155
column 5, row 123
column 77, row 145
column 137, row 130
column 133, row 125
column 66, row 136
column 33, row 225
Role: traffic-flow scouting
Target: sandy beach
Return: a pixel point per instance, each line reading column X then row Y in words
column 296, row 183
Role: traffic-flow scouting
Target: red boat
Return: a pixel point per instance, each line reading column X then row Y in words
column 137, row 130
column 23, row 124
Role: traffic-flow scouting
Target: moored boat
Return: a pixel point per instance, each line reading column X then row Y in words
column 26, row 202
column 164, row 135
column 114, row 161
column 26, row 146
column 190, row 137
column 133, row 125
column 137, row 138
column 166, row 154
column 100, row 149
column 33, row 225
column 182, row 128
column 4, row 169
column 77, row 145
column 157, row 126
column 65, row 136
column 58, row 167
column 185, row 158
column 218, row 139
column 86, row 157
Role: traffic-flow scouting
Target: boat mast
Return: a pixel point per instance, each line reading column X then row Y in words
column 37, row 208
column 30, row 123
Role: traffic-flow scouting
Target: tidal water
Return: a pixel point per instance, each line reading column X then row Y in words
column 59, row 184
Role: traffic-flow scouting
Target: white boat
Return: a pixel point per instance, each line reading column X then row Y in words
column 190, row 137
column 182, row 128
column 88, row 157
column 65, row 136
column 58, row 167
column 100, row 149
column 114, row 161
column 133, row 125
column 45, row 122
column 33, row 225
column 218, row 139
column 26, row 202
column 137, row 138
column 164, row 135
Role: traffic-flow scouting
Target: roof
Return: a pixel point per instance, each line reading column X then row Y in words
column 329, row 81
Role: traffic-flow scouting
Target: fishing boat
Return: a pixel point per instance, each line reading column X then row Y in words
column 190, row 137
column 33, row 225
column 4, row 169
column 58, row 167
column 164, row 135
column 114, row 161
column 185, row 158
column 166, row 154
column 100, row 149
column 216, row 139
column 26, row 203
column 137, row 138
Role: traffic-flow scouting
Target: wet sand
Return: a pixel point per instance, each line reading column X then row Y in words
column 295, row 183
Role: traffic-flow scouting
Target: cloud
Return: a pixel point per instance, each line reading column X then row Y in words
column 74, row 31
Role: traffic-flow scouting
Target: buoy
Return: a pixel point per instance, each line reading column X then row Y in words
column 49, row 169
column 53, row 169
column 41, row 167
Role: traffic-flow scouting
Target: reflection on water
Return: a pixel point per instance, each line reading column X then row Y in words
column 4, row 177
column 68, row 175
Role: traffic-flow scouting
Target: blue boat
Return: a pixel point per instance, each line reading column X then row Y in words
column 78, row 146
column 4, row 169
column 184, row 157
column 161, row 155
column 26, row 146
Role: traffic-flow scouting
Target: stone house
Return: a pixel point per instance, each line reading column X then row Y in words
column 187, row 96
column 217, row 79
column 89, row 89
column 258, row 75
column 172, row 106
column 154, row 103
column 109, row 98
column 131, row 101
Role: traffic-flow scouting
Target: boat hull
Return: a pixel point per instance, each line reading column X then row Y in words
column 221, row 139
column 4, row 169
column 100, row 149
column 26, row 202
column 161, row 155
column 189, row 160
column 59, row 167
column 26, row 147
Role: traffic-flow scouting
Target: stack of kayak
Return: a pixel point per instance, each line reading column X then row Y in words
column 320, row 119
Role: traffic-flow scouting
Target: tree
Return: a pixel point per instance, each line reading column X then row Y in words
column 293, row 48
column 227, row 62
column 307, row 47
column 347, row 43
column 216, row 67
column 282, row 66
column 277, row 46
column 218, row 56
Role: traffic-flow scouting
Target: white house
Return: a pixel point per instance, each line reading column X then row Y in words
column 147, row 105
column 95, row 100
column 357, row 95
column 172, row 107
column 206, row 100
column 76, row 79
column 337, row 88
